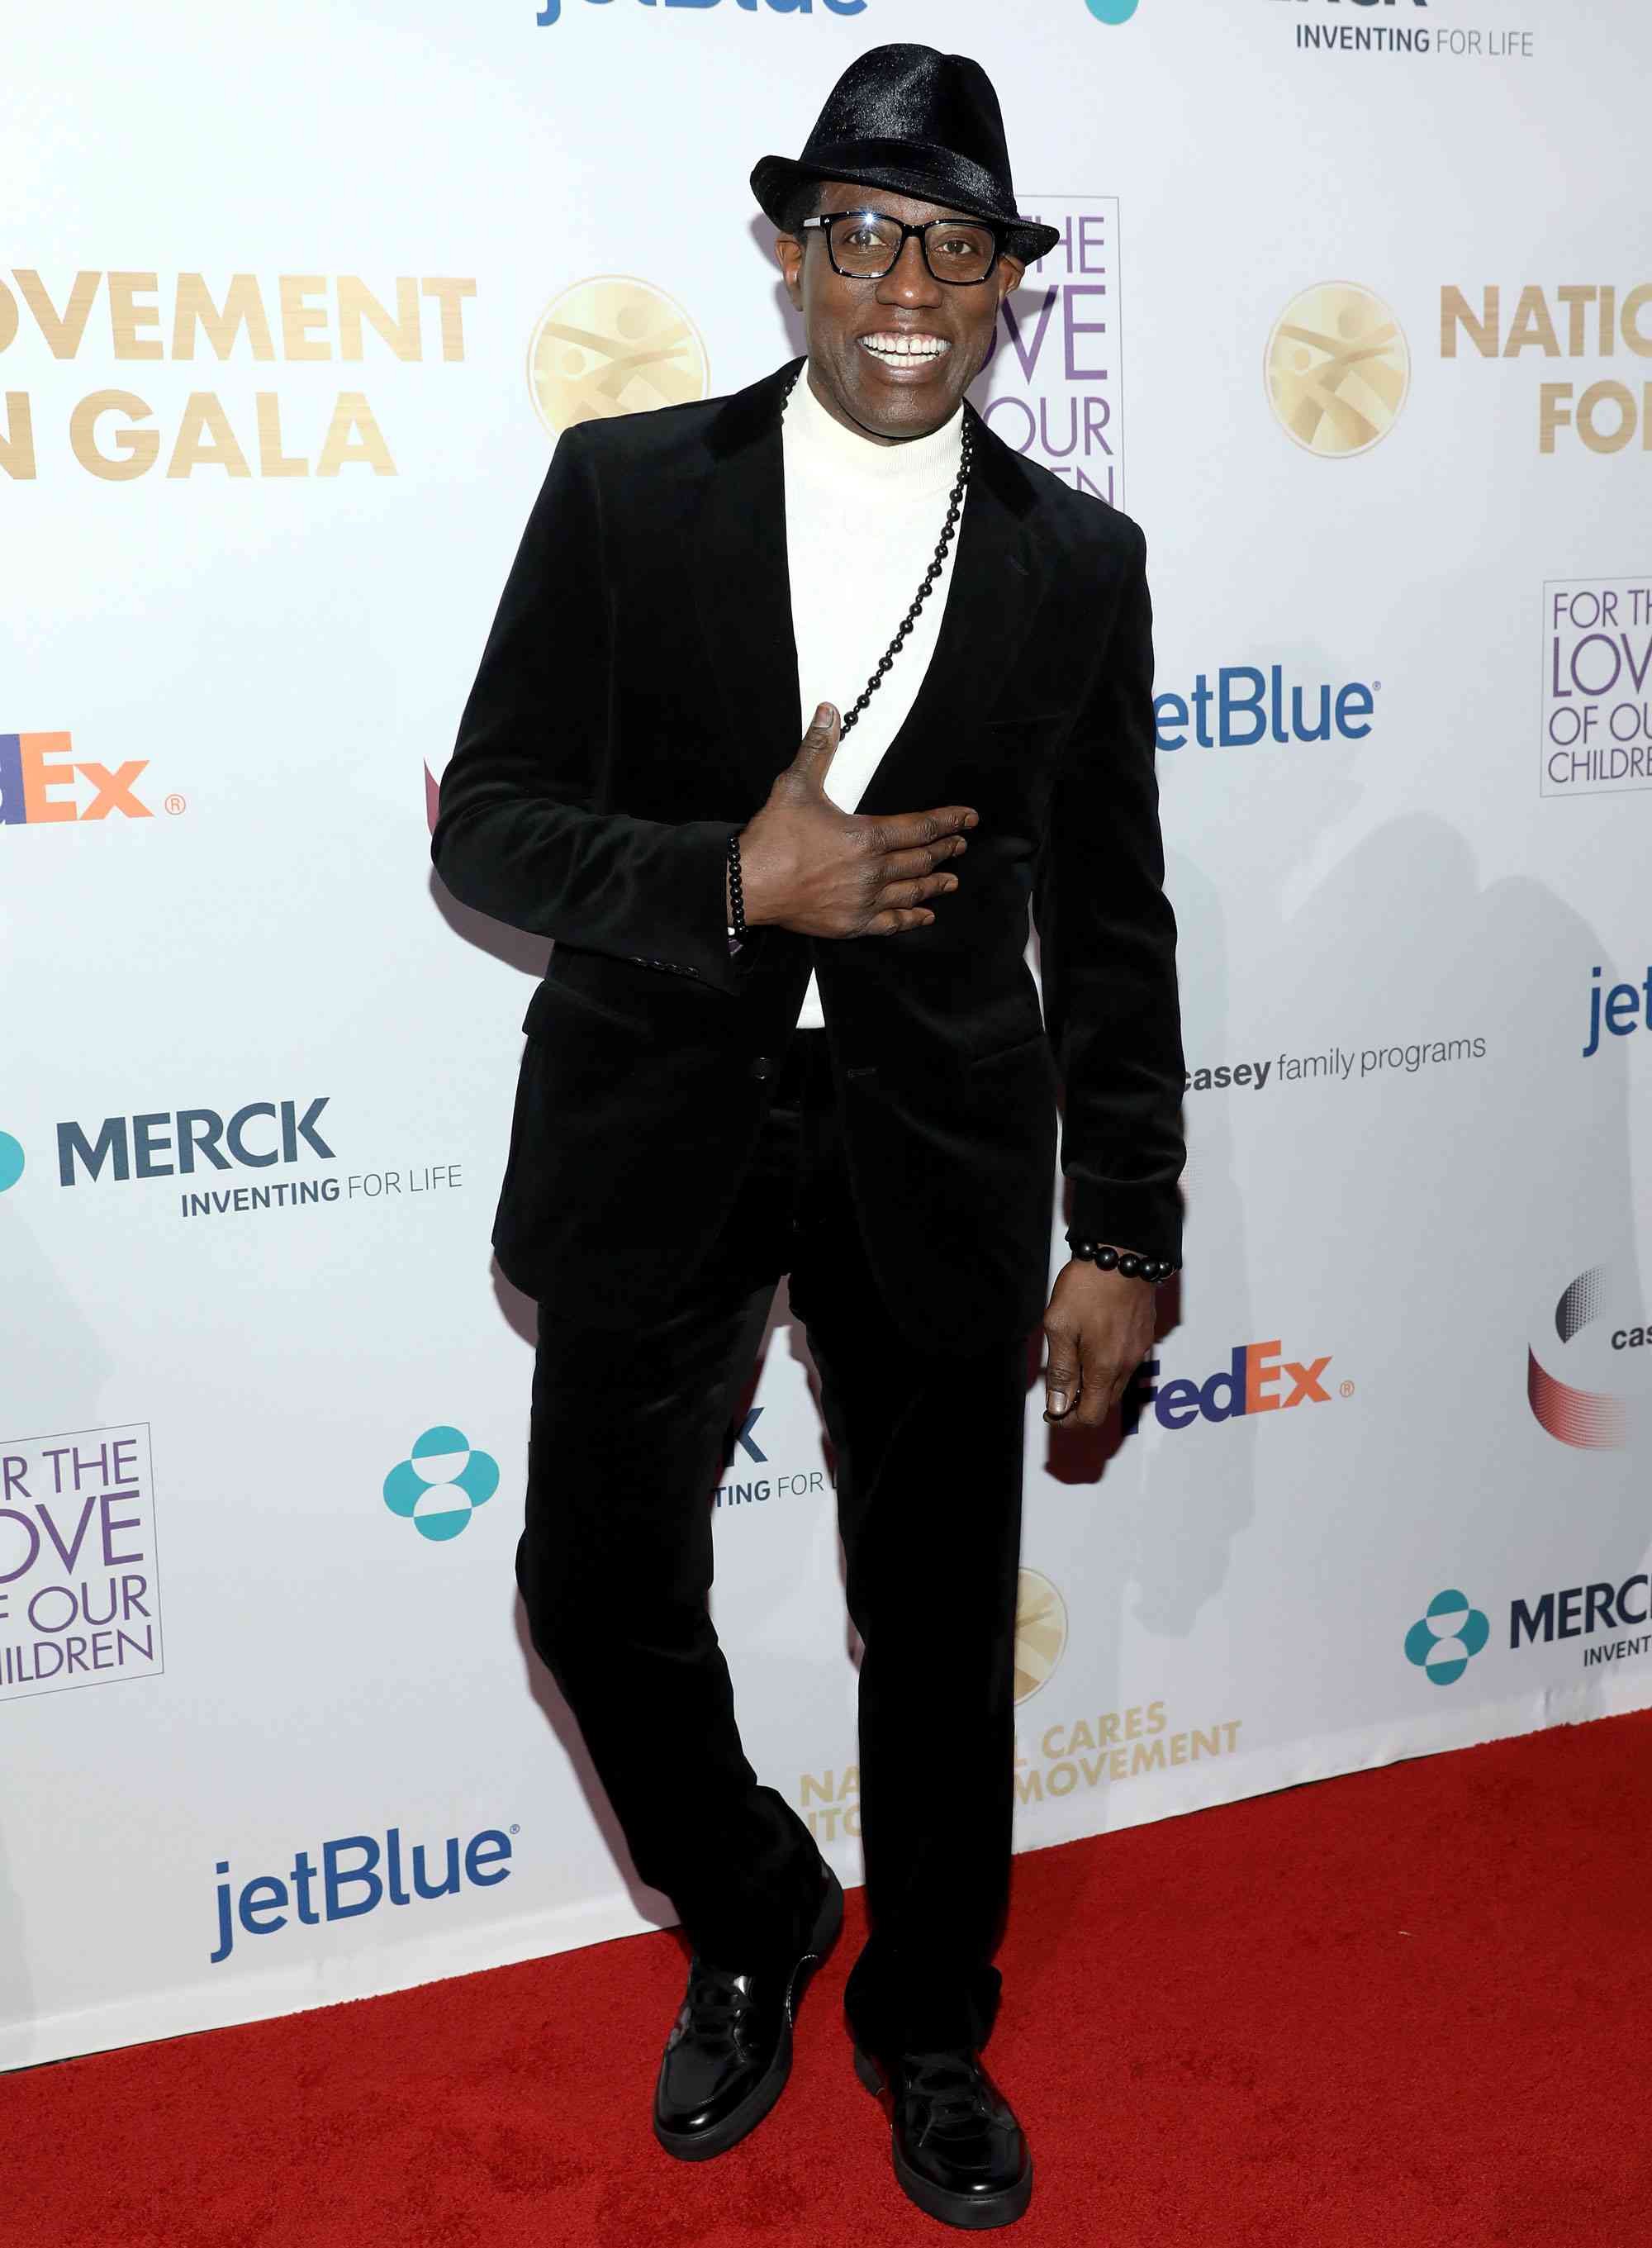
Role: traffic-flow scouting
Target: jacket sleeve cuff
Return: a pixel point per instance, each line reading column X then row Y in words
column 1145, row 1218
column 693, row 921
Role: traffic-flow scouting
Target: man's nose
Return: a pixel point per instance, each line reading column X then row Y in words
column 910, row 280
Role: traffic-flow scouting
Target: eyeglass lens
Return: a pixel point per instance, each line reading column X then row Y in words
column 865, row 246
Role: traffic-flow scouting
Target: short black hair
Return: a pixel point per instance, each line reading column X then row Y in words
column 803, row 202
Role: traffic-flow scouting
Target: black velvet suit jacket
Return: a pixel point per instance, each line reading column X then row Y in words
column 636, row 697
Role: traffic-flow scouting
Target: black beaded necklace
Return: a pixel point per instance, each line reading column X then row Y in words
column 931, row 576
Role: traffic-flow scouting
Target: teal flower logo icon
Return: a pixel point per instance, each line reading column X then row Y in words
column 1111, row 11
column 10, row 1161
column 441, row 1483
column 1446, row 1640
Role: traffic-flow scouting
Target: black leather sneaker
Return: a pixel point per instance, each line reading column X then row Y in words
column 729, row 2054
column 958, row 2149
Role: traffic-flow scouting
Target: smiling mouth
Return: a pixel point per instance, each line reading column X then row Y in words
column 890, row 348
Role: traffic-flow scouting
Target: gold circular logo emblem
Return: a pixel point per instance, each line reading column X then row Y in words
column 612, row 345
column 1040, row 1632
column 1338, row 369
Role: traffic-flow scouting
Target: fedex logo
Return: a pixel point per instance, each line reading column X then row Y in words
column 1255, row 1380
column 38, row 783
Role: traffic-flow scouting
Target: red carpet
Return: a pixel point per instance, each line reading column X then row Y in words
column 1400, row 2007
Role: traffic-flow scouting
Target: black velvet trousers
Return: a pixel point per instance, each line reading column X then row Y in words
column 628, row 1437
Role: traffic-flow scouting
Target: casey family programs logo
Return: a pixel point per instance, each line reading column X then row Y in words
column 1602, row 1342
column 1338, row 369
column 613, row 344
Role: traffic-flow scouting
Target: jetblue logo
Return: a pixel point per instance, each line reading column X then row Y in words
column 354, row 1875
column 552, row 9
column 1624, row 1008
column 162, row 1143
column 1244, row 706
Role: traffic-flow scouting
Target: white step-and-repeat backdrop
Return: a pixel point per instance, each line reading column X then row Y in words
column 1353, row 310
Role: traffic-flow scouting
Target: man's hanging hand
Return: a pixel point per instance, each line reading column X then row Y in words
column 1099, row 1329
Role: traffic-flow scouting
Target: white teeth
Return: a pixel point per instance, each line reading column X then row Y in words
column 905, row 347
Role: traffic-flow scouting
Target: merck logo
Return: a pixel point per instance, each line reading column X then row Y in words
column 38, row 783
column 1255, row 1380
column 161, row 1144
column 1444, row 1642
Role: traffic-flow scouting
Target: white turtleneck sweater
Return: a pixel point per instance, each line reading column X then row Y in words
column 862, row 523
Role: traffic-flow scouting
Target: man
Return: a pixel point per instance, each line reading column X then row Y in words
column 788, row 1027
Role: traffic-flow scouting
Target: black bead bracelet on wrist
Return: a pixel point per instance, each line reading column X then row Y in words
column 1106, row 1258
column 736, row 900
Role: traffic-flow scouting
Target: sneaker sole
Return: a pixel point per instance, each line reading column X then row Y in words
column 966, row 2212
column 717, row 2138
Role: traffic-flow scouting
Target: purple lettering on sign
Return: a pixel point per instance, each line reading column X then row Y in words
column 80, row 1596
column 1052, row 386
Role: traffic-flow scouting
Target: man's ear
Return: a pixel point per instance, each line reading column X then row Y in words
column 1014, row 273
column 788, row 252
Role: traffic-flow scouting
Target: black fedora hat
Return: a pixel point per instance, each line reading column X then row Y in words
column 918, row 123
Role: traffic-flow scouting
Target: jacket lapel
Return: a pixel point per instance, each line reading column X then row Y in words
column 742, row 588
column 997, row 582
column 743, row 596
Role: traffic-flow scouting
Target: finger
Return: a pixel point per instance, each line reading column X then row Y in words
column 1100, row 1393
column 914, row 893
column 902, row 830
column 900, row 864
column 817, row 746
column 1061, row 1379
column 892, row 923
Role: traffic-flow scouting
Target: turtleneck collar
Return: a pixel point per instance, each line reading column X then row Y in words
column 920, row 464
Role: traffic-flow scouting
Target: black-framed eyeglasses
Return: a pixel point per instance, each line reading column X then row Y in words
column 867, row 245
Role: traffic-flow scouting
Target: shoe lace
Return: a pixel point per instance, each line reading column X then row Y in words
column 950, row 2085
column 716, row 1998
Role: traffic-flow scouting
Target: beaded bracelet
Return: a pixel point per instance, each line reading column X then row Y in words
column 736, row 900
column 1123, row 1261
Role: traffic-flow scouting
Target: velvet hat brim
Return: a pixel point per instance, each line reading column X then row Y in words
column 915, row 123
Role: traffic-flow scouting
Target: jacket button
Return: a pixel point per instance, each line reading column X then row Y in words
column 763, row 1065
